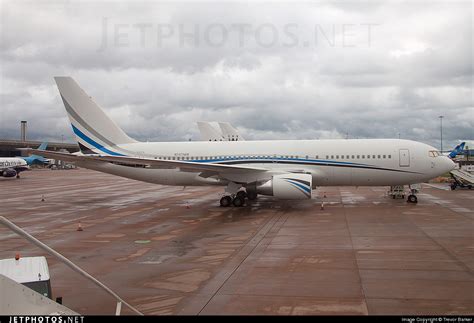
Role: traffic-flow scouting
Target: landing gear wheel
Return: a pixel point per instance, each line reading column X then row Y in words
column 412, row 199
column 226, row 201
column 252, row 195
column 242, row 194
column 453, row 186
column 17, row 176
column 238, row 201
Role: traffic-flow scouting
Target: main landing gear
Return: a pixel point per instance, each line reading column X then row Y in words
column 237, row 200
column 251, row 195
column 236, row 197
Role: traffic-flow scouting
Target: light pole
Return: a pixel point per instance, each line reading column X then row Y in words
column 441, row 131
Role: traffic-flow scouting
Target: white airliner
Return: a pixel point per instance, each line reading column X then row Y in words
column 12, row 166
column 285, row 169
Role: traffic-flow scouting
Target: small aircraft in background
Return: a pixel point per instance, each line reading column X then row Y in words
column 12, row 166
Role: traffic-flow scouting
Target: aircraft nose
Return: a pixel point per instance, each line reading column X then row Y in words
column 447, row 164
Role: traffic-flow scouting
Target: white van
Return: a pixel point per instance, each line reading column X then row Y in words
column 32, row 272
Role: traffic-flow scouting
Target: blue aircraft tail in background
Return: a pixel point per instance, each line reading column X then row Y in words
column 35, row 159
column 457, row 150
column 42, row 146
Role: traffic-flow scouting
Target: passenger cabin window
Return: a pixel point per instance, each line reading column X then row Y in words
column 327, row 157
column 389, row 156
column 378, row 156
column 368, row 156
column 363, row 156
column 332, row 156
column 358, row 156
column 384, row 156
column 373, row 156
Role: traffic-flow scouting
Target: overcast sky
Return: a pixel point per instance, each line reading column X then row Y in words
column 275, row 70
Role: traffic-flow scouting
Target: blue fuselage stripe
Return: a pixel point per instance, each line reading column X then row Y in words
column 295, row 161
column 81, row 135
column 265, row 160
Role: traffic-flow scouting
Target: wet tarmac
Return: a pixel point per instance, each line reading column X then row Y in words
column 173, row 250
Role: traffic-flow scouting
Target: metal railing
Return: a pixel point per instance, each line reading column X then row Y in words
column 10, row 225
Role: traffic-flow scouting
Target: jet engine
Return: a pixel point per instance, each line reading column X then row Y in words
column 288, row 186
column 9, row 172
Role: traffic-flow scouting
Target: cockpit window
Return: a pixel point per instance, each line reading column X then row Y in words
column 434, row 153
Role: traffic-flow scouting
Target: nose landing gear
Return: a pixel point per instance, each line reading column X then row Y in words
column 412, row 197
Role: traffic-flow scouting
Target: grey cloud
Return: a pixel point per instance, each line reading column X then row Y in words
column 416, row 66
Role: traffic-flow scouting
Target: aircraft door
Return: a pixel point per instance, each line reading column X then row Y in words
column 404, row 158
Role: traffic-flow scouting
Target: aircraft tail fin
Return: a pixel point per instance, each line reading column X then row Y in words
column 43, row 146
column 208, row 132
column 458, row 149
column 95, row 132
column 229, row 132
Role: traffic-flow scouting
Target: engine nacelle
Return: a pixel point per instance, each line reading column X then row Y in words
column 288, row 186
column 9, row 172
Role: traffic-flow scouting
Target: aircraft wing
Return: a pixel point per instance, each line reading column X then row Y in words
column 153, row 163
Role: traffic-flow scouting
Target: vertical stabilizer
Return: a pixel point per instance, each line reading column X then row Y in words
column 95, row 132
